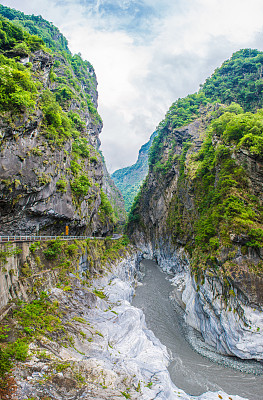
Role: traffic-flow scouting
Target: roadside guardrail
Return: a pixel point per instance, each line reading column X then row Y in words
column 4, row 239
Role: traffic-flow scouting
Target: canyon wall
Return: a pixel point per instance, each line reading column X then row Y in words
column 188, row 220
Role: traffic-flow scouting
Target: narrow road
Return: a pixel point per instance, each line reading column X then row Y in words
column 4, row 239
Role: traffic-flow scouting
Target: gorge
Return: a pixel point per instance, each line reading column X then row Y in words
column 70, row 325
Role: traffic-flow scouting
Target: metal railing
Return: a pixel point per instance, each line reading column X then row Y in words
column 4, row 239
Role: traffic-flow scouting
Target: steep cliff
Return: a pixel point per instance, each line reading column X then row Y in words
column 50, row 168
column 200, row 212
column 130, row 179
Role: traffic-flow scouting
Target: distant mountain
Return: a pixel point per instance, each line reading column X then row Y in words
column 129, row 179
column 114, row 195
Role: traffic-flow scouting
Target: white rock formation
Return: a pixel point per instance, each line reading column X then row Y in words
column 115, row 352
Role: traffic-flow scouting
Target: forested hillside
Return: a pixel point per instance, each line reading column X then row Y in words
column 130, row 179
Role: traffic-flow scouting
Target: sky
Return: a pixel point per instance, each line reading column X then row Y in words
column 147, row 54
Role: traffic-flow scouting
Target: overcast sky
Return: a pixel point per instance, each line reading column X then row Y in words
column 147, row 53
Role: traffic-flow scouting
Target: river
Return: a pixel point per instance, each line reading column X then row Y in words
column 189, row 370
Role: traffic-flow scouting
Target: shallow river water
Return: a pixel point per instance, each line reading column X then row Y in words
column 189, row 370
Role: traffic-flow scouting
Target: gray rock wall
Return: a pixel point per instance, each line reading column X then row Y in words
column 228, row 312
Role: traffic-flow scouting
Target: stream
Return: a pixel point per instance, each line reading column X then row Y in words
column 189, row 370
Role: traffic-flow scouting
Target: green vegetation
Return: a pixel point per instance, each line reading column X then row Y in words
column 58, row 97
column 126, row 395
column 63, row 94
column 106, row 212
column 42, row 317
column 134, row 214
column 22, row 34
column 54, row 248
column 105, row 204
column 17, row 90
column 16, row 40
column 130, row 179
column 238, row 80
column 80, row 147
column 37, row 26
column 34, row 246
column 62, row 185
column 38, row 317
column 57, row 125
column 214, row 212
column 99, row 293
column 80, row 185
column 7, row 251
column 224, row 201
column 181, row 113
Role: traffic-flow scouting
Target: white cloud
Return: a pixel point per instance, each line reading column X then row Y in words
column 141, row 73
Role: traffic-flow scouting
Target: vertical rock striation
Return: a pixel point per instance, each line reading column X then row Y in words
column 185, row 219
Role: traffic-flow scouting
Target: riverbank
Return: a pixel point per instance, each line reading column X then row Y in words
column 110, row 352
column 189, row 370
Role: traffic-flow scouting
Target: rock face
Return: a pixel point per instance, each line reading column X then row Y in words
column 130, row 179
column 111, row 353
column 222, row 287
column 51, row 173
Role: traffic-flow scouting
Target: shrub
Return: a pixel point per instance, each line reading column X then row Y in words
column 80, row 185
column 72, row 249
column 34, row 246
column 17, row 90
column 37, row 317
column 61, row 185
column 105, row 204
column 80, row 146
column 54, row 248
column 64, row 94
column 77, row 121
column 5, row 363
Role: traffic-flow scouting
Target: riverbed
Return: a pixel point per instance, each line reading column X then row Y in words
column 189, row 370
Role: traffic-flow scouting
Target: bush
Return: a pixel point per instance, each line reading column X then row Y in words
column 58, row 125
column 72, row 250
column 61, row 185
column 5, row 363
column 54, row 248
column 34, row 246
column 80, row 185
column 64, row 94
column 105, row 204
column 38, row 317
column 80, row 146
column 17, row 90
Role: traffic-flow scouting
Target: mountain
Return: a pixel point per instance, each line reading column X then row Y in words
column 130, row 179
column 237, row 80
column 115, row 197
column 51, row 172
column 199, row 211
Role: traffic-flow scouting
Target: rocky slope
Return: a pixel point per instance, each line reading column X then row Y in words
column 51, row 171
column 200, row 213
column 75, row 321
column 130, row 179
